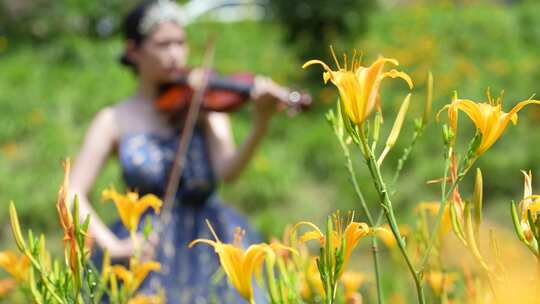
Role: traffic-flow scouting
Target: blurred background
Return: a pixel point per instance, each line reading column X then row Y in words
column 59, row 66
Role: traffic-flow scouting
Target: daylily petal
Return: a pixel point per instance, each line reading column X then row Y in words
column 141, row 271
column 399, row 74
column 316, row 233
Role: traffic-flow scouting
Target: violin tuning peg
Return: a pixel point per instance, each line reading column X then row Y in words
column 295, row 97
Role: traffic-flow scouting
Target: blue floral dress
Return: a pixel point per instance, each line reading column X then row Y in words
column 187, row 275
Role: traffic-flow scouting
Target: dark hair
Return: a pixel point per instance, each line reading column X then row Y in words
column 131, row 28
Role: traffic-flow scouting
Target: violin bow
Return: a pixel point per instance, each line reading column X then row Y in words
column 185, row 137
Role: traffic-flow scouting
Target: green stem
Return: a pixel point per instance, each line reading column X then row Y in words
column 376, row 263
column 135, row 240
column 440, row 213
column 444, row 201
column 381, row 188
column 375, row 251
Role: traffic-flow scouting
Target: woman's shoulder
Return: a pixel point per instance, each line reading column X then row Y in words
column 107, row 119
column 114, row 116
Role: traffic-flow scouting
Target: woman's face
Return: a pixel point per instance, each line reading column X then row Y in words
column 163, row 54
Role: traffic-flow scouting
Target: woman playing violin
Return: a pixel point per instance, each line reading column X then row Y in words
column 144, row 139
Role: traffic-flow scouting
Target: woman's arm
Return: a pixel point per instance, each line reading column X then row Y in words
column 96, row 148
column 229, row 162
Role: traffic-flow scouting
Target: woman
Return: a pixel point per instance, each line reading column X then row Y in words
column 145, row 140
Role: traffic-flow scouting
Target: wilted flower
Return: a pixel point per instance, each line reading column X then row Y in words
column 130, row 207
column 66, row 220
column 530, row 203
column 359, row 86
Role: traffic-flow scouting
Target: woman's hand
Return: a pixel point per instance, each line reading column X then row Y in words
column 121, row 249
column 125, row 248
column 266, row 94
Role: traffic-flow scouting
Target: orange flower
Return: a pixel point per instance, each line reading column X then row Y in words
column 16, row 265
column 359, row 86
column 7, row 286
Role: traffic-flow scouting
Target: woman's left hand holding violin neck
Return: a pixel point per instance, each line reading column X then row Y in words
column 266, row 95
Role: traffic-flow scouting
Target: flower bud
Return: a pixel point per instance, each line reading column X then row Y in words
column 16, row 228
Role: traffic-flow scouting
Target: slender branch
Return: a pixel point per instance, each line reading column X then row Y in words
column 448, row 159
column 389, row 212
column 444, row 201
column 360, row 195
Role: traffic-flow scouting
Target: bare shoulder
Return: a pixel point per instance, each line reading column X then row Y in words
column 105, row 123
column 218, row 123
column 105, row 119
column 114, row 116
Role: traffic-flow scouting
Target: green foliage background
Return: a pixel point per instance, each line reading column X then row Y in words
column 51, row 88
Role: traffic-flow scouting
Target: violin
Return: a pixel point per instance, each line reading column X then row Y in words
column 223, row 94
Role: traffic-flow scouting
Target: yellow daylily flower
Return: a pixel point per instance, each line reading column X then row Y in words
column 439, row 281
column 130, row 207
column 387, row 237
column 16, row 265
column 310, row 280
column 352, row 281
column 351, row 235
column 432, row 209
column 489, row 118
column 136, row 274
column 240, row 265
column 359, row 86
column 147, row 299
column 7, row 286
